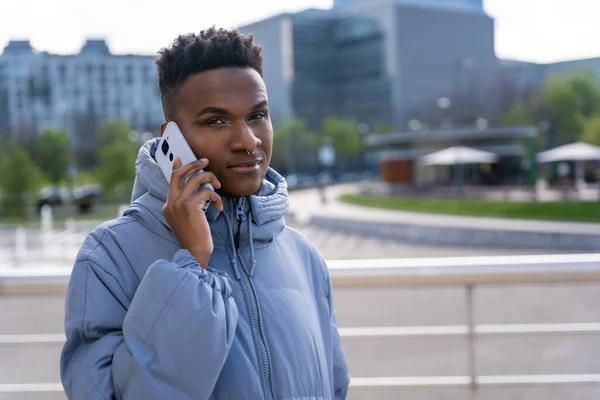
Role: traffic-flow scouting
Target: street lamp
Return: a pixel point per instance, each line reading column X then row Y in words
column 481, row 123
column 327, row 160
column 444, row 103
column 414, row 125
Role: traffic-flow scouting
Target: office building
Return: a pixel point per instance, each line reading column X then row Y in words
column 76, row 92
column 459, row 4
column 378, row 62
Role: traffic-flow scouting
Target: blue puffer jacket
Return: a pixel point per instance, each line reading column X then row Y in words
column 144, row 321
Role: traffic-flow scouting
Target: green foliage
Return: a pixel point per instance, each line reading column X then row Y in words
column 567, row 103
column 112, row 132
column 566, row 211
column 53, row 154
column 116, row 154
column 344, row 136
column 19, row 179
column 517, row 115
column 116, row 171
column 565, row 108
column 384, row 128
column 591, row 133
column 294, row 147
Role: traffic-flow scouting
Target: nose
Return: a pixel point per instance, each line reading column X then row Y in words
column 244, row 139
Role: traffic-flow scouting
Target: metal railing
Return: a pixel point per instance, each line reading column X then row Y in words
column 466, row 272
column 469, row 273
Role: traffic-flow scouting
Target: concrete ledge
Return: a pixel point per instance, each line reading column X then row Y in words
column 461, row 236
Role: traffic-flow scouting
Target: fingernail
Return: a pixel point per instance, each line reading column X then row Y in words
column 203, row 160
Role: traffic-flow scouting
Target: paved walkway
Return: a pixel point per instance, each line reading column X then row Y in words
column 305, row 204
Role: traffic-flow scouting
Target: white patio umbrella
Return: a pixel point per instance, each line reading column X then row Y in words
column 578, row 152
column 570, row 152
column 459, row 155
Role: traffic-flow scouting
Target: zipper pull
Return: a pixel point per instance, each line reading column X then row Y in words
column 239, row 211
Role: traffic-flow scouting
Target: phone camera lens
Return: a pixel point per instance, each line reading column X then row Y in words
column 165, row 148
column 171, row 157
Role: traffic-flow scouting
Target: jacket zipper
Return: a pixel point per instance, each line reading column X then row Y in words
column 251, row 292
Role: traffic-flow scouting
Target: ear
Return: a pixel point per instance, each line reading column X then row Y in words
column 162, row 128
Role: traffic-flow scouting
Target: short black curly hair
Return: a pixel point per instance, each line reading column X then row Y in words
column 209, row 49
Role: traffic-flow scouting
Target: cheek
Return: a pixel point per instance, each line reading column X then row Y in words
column 267, row 142
column 205, row 148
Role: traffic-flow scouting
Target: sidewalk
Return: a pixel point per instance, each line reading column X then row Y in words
column 305, row 206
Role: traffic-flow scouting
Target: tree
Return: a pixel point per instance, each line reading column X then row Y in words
column 116, row 171
column 384, row 128
column 20, row 178
column 112, row 132
column 116, row 153
column 343, row 134
column 591, row 133
column 53, row 154
column 294, row 148
column 517, row 115
column 569, row 102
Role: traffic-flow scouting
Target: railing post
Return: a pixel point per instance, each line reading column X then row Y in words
column 471, row 341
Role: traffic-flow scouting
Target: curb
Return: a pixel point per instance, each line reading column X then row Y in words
column 461, row 236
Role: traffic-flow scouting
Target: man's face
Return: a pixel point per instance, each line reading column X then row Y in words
column 223, row 114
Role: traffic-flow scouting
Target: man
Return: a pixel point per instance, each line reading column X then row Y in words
column 171, row 303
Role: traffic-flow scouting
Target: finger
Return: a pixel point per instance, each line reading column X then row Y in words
column 199, row 179
column 179, row 172
column 216, row 200
column 183, row 171
column 201, row 198
column 176, row 164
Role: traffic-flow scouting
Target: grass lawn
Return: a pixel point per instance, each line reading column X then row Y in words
column 563, row 211
column 101, row 212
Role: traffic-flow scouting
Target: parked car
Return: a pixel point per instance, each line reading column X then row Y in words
column 53, row 196
column 86, row 196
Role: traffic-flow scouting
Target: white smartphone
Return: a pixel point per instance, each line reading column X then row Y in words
column 173, row 145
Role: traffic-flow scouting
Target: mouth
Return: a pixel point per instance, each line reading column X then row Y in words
column 247, row 166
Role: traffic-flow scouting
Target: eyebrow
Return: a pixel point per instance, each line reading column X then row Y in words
column 222, row 111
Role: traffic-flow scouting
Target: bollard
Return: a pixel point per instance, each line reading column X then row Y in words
column 71, row 239
column 20, row 245
column 46, row 231
column 46, row 216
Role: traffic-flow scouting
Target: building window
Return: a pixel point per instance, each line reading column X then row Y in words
column 129, row 74
column 62, row 72
column 103, row 74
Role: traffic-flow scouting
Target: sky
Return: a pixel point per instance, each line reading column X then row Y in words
column 529, row 30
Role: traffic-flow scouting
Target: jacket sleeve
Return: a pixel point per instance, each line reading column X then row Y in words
column 341, row 378
column 169, row 342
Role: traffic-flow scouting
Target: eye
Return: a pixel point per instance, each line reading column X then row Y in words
column 257, row 116
column 216, row 121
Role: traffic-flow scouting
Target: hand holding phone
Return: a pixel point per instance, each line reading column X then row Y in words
column 173, row 145
column 184, row 208
column 190, row 192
